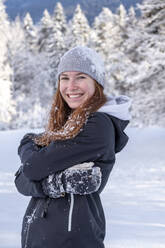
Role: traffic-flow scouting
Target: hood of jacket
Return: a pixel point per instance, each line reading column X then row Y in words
column 117, row 108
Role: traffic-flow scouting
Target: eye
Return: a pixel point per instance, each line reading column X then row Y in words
column 81, row 77
column 64, row 78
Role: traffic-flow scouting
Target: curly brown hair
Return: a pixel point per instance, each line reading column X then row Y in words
column 65, row 123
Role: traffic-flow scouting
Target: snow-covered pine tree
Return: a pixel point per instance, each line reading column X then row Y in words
column 51, row 40
column 134, row 37
column 132, row 20
column 107, row 38
column 45, row 29
column 7, row 109
column 19, row 61
column 30, row 33
column 33, row 98
column 31, row 90
column 4, row 35
column 59, row 18
column 131, row 67
column 153, row 15
column 6, row 102
column 104, row 28
column 122, row 15
column 50, row 26
column 78, row 32
column 17, row 47
column 152, row 75
column 57, row 46
column 4, row 32
column 143, row 79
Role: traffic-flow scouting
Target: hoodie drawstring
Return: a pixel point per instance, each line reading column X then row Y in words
column 70, row 212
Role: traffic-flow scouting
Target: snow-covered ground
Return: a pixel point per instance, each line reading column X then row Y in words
column 134, row 198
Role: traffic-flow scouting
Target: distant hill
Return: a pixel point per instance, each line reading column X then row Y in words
column 91, row 8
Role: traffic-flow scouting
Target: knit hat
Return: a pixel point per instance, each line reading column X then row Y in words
column 83, row 59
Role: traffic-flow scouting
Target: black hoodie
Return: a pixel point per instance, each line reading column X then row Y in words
column 72, row 220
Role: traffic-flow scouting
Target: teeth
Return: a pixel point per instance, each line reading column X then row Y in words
column 74, row 96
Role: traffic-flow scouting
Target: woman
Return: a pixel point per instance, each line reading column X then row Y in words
column 66, row 168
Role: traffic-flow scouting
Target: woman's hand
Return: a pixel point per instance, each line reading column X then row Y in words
column 52, row 185
column 27, row 137
column 81, row 179
column 27, row 145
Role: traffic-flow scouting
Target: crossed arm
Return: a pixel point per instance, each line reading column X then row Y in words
column 80, row 180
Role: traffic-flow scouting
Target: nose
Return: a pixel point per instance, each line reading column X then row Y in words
column 72, row 85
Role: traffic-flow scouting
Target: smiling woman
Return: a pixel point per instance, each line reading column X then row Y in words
column 66, row 168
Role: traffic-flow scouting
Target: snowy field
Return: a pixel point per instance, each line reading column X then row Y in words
column 134, row 199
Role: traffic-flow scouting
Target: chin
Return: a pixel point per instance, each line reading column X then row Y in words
column 74, row 106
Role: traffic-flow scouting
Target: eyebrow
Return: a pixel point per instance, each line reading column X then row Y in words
column 80, row 73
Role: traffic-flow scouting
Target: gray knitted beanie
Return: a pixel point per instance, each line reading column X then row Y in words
column 83, row 59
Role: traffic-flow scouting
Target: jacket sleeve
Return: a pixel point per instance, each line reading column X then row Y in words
column 27, row 187
column 95, row 143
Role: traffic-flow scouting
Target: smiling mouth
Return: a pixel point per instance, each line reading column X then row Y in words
column 74, row 96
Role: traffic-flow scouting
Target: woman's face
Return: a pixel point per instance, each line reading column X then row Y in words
column 76, row 88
